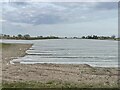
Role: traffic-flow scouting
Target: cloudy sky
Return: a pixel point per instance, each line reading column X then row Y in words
column 59, row 18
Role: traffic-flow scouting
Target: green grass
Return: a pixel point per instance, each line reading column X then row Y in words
column 54, row 84
column 50, row 84
column 5, row 45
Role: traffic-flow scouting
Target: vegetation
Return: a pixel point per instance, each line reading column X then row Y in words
column 113, row 37
column 54, row 84
column 4, row 45
column 28, row 37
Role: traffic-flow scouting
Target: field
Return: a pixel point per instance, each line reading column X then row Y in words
column 52, row 75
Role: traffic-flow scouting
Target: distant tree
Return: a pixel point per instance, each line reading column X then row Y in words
column 41, row 36
column 83, row 37
column 95, row 37
column 89, row 37
column 19, row 36
column 113, row 36
column 27, row 36
column 6, row 36
column 13, row 37
column 75, row 37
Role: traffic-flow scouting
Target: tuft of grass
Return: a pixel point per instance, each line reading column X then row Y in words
column 54, row 84
column 5, row 45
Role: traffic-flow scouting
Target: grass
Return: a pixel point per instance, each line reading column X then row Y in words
column 50, row 84
column 5, row 45
column 54, row 84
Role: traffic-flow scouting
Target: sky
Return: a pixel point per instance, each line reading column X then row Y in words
column 59, row 18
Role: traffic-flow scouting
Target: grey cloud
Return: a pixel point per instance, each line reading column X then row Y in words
column 52, row 13
column 107, row 5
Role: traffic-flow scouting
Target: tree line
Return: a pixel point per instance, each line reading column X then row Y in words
column 113, row 37
column 26, row 37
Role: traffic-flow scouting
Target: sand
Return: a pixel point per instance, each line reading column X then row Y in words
column 81, row 74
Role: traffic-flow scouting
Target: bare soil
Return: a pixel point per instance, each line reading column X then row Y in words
column 81, row 74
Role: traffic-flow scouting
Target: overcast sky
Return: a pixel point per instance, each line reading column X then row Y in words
column 60, row 19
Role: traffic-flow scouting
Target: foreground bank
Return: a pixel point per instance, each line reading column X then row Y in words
column 52, row 75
